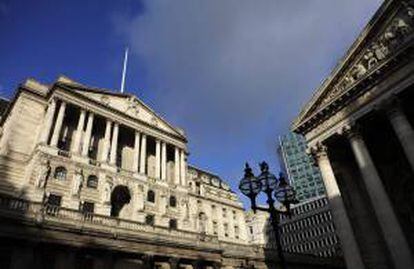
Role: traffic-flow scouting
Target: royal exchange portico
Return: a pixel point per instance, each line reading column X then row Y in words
column 359, row 128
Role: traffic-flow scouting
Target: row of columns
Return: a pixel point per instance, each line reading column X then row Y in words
column 110, row 144
column 387, row 219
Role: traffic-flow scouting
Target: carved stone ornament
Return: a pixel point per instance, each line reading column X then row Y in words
column 77, row 185
column 105, row 100
column 43, row 174
column 133, row 107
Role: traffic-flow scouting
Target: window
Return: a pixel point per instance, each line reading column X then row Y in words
column 234, row 215
column 173, row 201
column 173, row 224
column 151, row 196
column 60, row 173
column 53, row 204
column 92, row 182
column 54, row 200
column 215, row 227
column 87, row 207
column 236, row 232
column 149, row 220
column 224, row 213
column 226, row 230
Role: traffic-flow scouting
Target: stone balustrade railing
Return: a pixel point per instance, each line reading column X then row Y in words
column 46, row 213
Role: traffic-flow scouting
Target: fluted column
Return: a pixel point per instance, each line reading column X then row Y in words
column 391, row 229
column 79, row 130
column 47, row 126
column 107, row 141
column 157, row 158
column 87, row 136
column 136, row 151
column 114, row 144
column 163, row 161
column 143, row 157
column 349, row 244
column 402, row 129
column 176, row 166
column 183, row 168
column 58, row 125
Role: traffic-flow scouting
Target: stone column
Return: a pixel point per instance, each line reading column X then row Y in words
column 79, row 130
column 136, row 151
column 87, row 136
column 143, row 157
column 157, row 158
column 176, row 166
column 402, row 129
column 391, row 229
column 47, row 126
column 183, row 168
column 349, row 244
column 58, row 125
column 163, row 161
column 107, row 141
column 114, row 144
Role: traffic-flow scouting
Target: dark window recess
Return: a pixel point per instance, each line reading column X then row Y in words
column 60, row 173
column 92, row 182
column 173, row 224
column 149, row 220
column 54, row 200
column 151, row 196
column 173, row 201
column 88, row 207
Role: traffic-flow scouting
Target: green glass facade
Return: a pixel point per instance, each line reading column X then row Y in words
column 299, row 167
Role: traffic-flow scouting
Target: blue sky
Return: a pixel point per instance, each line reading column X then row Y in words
column 232, row 73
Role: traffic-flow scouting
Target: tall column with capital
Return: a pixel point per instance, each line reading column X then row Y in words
column 157, row 158
column 143, row 157
column 402, row 129
column 391, row 229
column 87, row 136
column 79, row 130
column 47, row 126
column 163, row 161
column 176, row 166
column 183, row 168
column 106, row 142
column 136, row 151
column 114, row 144
column 58, row 125
column 350, row 247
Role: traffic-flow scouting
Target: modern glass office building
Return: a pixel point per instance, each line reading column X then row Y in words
column 299, row 167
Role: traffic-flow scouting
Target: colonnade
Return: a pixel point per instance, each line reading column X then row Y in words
column 82, row 139
column 387, row 219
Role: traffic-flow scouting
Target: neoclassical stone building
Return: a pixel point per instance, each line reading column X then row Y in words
column 85, row 169
column 359, row 127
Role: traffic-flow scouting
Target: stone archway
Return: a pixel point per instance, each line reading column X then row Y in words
column 120, row 196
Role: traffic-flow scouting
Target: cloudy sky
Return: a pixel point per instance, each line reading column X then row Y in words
column 232, row 73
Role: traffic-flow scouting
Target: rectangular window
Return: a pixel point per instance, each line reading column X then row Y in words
column 53, row 204
column 226, row 230
column 215, row 227
column 88, row 207
column 236, row 232
column 224, row 213
column 173, row 224
column 149, row 220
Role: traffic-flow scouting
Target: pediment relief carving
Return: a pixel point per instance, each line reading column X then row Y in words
column 391, row 36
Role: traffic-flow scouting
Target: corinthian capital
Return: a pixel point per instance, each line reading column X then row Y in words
column 318, row 151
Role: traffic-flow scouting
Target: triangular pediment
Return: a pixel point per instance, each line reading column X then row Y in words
column 127, row 104
column 384, row 36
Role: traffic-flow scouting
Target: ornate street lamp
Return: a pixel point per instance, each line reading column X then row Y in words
column 268, row 183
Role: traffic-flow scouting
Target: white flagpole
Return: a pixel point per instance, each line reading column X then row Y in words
column 124, row 70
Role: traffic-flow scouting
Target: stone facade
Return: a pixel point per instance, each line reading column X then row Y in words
column 96, row 179
column 359, row 128
column 309, row 230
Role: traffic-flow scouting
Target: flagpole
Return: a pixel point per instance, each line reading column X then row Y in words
column 124, row 70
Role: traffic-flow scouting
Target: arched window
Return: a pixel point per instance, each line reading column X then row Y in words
column 92, row 182
column 60, row 173
column 151, row 196
column 173, row 201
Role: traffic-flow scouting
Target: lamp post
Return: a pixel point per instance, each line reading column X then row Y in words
column 272, row 186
